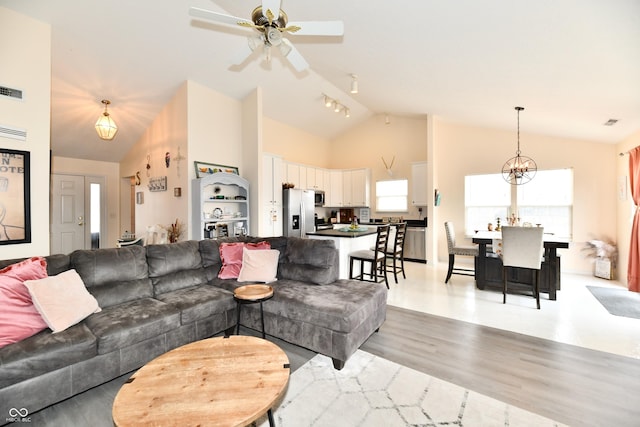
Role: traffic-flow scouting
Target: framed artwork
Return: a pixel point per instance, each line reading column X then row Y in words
column 15, row 200
column 203, row 169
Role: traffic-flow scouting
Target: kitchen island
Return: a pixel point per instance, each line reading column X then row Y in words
column 347, row 242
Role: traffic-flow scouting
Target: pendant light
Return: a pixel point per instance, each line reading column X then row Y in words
column 105, row 126
column 519, row 169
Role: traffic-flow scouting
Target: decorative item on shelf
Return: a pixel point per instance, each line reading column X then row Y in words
column 105, row 126
column 286, row 185
column 605, row 257
column 490, row 227
column 514, row 221
column 519, row 169
column 175, row 231
column 204, row 169
column 498, row 226
column 158, row 183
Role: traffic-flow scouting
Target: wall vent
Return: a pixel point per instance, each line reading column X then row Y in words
column 10, row 92
column 13, row 133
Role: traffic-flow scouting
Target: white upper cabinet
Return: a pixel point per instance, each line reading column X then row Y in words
column 419, row 187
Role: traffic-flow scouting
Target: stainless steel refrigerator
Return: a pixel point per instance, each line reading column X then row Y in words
column 298, row 206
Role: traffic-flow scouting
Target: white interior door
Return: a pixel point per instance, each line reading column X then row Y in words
column 68, row 214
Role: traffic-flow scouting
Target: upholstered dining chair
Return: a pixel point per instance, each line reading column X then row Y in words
column 156, row 235
column 457, row 250
column 522, row 247
column 395, row 250
column 377, row 259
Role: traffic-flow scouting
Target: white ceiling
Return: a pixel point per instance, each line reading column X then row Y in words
column 573, row 64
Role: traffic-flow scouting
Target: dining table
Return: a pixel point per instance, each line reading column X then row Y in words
column 488, row 265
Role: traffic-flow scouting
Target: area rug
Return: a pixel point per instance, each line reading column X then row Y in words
column 372, row 391
column 618, row 301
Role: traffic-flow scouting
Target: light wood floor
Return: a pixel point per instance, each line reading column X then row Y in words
column 570, row 384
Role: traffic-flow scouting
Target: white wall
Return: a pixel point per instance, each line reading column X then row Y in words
column 465, row 150
column 295, row 145
column 25, row 46
column 167, row 133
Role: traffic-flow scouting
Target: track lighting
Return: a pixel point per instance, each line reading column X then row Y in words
column 354, row 83
column 336, row 106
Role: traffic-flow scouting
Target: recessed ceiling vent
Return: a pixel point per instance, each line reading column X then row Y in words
column 10, row 92
column 13, row 133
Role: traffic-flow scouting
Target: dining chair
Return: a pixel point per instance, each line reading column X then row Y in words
column 156, row 235
column 457, row 250
column 377, row 259
column 395, row 250
column 522, row 247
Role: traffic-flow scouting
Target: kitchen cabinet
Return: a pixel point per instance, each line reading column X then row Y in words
column 335, row 189
column 271, row 196
column 315, row 179
column 356, row 187
column 419, row 187
column 220, row 206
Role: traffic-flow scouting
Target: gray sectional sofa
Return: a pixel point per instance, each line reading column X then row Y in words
column 159, row 297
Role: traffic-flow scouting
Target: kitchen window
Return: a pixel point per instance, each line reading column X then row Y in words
column 391, row 196
column 547, row 200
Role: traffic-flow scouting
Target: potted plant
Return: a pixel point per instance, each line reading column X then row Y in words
column 605, row 256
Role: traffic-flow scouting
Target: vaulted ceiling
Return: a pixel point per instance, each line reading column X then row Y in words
column 573, row 64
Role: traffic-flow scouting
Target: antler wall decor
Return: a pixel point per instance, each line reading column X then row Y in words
column 388, row 167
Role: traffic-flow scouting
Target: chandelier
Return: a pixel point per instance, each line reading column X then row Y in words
column 519, row 169
column 105, row 126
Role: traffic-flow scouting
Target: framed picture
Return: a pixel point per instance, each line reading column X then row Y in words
column 203, row 169
column 15, row 200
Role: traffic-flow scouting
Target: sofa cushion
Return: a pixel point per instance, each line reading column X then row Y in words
column 19, row 318
column 175, row 266
column 62, row 300
column 339, row 306
column 114, row 275
column 45, row 352
column 199, row 302
column 259, row 266
column 310, row 260
column 131, row 322
column 231, row 256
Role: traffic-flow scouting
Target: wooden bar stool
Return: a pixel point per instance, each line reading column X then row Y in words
column 377, row 258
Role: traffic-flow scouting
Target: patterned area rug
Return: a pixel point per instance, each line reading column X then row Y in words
column 618, row 301
column 372, row 391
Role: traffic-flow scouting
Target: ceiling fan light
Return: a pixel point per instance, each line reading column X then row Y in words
column 105, row 126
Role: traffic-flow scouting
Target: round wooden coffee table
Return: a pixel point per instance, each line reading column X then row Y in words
column 214, row 382
column 249, row 294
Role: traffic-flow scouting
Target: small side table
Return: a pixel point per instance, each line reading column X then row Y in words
column 250, row 294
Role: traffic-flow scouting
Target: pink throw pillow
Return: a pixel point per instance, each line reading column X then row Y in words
column 231, row 256
column 19, row 318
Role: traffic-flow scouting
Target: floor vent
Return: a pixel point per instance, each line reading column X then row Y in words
column 13, row 133
column 10, row 92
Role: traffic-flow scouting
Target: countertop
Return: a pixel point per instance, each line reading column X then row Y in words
column 347, row 234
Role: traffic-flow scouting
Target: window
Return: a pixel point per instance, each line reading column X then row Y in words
column 391, row 196
column 545, row 200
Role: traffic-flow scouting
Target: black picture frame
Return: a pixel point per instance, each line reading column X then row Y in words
column 15, row 197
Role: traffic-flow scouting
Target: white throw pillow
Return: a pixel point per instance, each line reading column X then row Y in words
column 259, row 266
column 62, row 300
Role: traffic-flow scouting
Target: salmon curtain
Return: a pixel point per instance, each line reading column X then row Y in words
column 633, row 270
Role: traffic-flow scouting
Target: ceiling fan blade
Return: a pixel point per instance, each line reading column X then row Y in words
column 273, row 6
column 218, row 17
column 318, row 28
column 291, row 53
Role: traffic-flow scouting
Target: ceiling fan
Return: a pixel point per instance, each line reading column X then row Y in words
column 271, row 22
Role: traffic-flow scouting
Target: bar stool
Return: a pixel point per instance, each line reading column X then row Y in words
column 377, row 258
column 395, row 251
column 457, row 250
